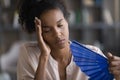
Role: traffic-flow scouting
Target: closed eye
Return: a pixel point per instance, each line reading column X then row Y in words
column 60, row 25
column 46, row 30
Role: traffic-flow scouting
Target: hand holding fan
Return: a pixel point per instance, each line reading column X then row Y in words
column 91, row 63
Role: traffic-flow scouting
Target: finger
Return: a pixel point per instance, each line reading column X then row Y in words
column 109, row 56
column 115, row 70
column 114, row 63
column 116, row 58
column 38, row 29
column 37, row 24
column 37, row 21
column 112, row 57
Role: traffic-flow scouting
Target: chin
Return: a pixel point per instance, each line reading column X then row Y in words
column 61, row 46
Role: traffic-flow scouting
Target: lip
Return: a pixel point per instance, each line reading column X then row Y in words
column 60, row 41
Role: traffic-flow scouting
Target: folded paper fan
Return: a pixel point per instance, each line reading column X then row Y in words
column 91, row 63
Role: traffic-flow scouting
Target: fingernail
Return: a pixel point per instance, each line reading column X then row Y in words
column 36, row 18
column 109, row 54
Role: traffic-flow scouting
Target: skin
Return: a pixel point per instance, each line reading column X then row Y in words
column 114, row 62
column 53, row 39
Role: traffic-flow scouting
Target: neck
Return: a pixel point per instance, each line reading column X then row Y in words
column 62, row 54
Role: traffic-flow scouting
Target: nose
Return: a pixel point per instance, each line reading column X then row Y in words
column 57, row 32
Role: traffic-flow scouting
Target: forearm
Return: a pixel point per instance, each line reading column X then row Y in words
column 40, row 73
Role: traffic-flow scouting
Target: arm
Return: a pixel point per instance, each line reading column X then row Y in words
column 27, row 68
column 45, row 51
column 40, row 73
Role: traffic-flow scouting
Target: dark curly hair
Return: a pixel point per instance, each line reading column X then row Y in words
column 29, row 9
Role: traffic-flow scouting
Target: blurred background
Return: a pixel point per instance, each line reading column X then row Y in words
column 95, row 22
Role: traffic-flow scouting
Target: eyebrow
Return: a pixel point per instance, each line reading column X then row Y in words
column 57, row 22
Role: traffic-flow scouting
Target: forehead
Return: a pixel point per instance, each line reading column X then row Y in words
column 51, row 16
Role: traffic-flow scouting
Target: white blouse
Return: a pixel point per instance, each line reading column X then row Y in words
column 29, row 58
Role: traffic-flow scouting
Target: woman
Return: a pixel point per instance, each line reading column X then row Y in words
column 50, row 57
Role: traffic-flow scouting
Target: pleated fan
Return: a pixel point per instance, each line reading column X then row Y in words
column 91, row 63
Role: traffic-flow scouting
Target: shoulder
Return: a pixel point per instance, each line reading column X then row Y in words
column 29, row 44
column 29, row 55
column 30, row 49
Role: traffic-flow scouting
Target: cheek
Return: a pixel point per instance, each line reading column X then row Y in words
column 66, row 28
column 47, row 38
column 66, row 31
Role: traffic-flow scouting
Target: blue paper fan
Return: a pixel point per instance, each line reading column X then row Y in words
column 91, row 63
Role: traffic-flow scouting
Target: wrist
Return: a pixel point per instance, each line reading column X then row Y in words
column 44, row 53
column 43, row 57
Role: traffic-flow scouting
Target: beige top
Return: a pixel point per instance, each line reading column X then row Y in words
column 28, row 62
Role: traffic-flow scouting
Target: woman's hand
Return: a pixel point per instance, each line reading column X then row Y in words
column 45, row 52
column 114, row 62
column 44, row 48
